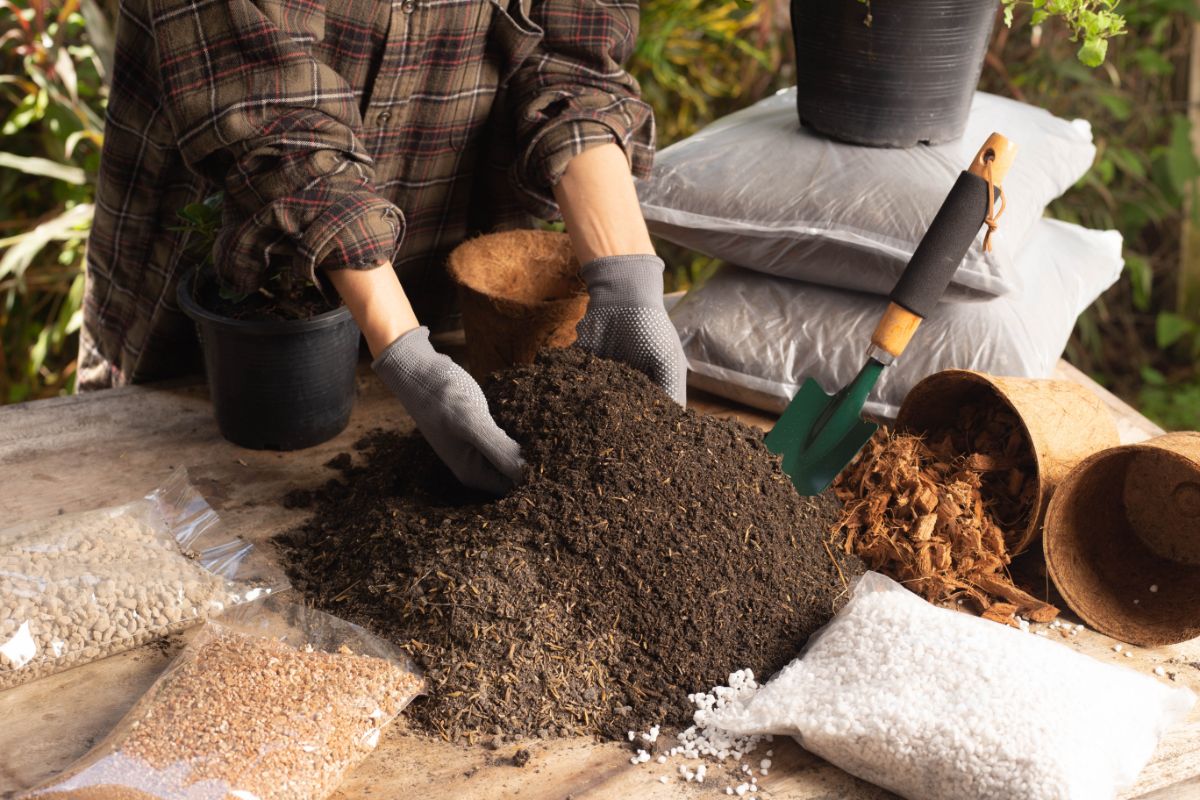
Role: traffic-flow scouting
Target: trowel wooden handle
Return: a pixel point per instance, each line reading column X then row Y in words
column 944, row 245
column 895, row 330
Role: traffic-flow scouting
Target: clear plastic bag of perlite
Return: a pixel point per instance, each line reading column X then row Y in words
column 78, row 587
column 273, row 701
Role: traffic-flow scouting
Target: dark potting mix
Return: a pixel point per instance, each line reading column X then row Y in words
column 650, row 552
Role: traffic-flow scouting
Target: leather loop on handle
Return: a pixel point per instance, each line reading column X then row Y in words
column 991, row 163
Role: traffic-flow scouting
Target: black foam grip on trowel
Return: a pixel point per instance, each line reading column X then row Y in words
column 944, row 245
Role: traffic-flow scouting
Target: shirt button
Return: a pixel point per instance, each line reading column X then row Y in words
column 408, row 6
column 382, row 117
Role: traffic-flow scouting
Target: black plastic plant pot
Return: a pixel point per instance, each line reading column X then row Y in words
column 889, row 73
column 277, row 384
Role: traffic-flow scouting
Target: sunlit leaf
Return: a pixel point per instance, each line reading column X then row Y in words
column 1093, row 51
column 44, row 167
column 24, row 248
column 30, row 109
column 65, row 68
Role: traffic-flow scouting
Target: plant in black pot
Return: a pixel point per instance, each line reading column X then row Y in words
column 280, row 361
column 897, row 73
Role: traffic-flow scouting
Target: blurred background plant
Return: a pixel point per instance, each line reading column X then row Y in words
column 1141, row 339
column 52, row 96
column 697, row 60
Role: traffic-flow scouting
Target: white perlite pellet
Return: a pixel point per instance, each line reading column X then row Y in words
column 937, row 705
column 83, row 586
column 703, row 741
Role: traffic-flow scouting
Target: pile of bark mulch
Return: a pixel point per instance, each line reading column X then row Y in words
column 649, row 553
column 940, row 513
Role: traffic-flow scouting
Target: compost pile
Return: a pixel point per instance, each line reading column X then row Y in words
column 649, row 553
column 943, row 513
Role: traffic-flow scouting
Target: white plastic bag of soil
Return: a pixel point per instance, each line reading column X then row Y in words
column 757, row 189
column 272, row 701
column 934, row 704
column 78, row 587
column 755, row 338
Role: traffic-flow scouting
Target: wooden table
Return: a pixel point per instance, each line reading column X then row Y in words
column 79, row 453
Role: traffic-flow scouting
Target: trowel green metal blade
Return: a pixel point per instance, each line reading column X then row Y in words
column 819, row 434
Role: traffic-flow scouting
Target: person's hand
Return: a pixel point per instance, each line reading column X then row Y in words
column 627, row 321
column 451, row 412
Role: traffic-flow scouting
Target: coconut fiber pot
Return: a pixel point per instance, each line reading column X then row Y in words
column 277, row 384
column 1061, row 422
column 520, row 291
column 891, row 73
column 1122, row 540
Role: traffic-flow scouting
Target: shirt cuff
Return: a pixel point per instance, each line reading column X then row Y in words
column 545, row 159
column 357, row 233
column 356, row 230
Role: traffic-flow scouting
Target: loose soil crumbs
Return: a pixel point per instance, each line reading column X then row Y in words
column 649, row 553
column 939, row 513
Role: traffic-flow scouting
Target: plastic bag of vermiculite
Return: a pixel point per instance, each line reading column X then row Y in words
column 272, row 701
column 78, row 587
column 934, row 704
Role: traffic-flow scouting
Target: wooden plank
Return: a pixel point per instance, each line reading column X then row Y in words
column 73, row 454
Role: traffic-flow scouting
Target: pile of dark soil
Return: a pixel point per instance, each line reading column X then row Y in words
column 649, row 553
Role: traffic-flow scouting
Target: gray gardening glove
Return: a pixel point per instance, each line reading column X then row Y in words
column 451, row 413
column 626, row 320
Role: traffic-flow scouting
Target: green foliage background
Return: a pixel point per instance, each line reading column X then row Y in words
column 696, row 60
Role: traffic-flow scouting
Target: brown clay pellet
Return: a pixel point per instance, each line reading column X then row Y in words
column 81, row 587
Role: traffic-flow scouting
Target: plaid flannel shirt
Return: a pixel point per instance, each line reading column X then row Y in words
column 343, row 134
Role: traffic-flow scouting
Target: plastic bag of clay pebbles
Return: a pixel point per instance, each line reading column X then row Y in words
column 78, row 587
column 272, row 701
column 935, row 704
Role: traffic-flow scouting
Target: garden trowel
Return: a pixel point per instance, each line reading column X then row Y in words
column 818, row 435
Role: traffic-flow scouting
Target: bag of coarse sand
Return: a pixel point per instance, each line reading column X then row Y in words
column 274, row 701
column 79, row 587
column 755, row 338
column 934, row 704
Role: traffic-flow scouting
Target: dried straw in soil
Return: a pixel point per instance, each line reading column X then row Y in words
column 649, row 553
column 936, row 516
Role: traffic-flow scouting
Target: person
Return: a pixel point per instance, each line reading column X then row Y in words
column 365, row 139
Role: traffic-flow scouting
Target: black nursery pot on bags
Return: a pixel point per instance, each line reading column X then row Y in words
column 277, row 384
column 889, row 73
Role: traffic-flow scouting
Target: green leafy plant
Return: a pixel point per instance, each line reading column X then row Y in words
column 1091, row 22
column 52, row 97
column 695, row 56
column 283, row 294
column 697, row 60
column 1144, row 169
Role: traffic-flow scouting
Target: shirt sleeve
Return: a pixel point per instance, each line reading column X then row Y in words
column 255, row 113
column 573, row 93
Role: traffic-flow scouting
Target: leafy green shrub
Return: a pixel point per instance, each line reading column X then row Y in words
column 1091, row 22
column 52, row 98
column 1144, row 167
